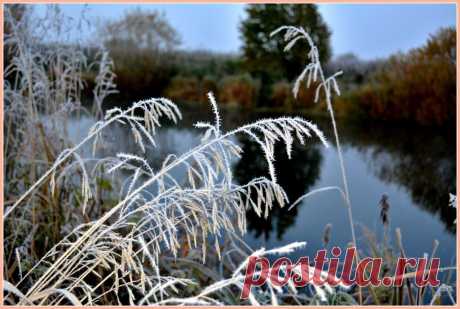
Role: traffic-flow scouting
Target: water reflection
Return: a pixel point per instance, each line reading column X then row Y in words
column 419, row 159
column 296, row 175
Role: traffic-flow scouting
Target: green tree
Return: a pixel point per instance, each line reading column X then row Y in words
column 264, row 56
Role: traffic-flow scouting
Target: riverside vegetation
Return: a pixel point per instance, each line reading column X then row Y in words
column 260, row 76
column 86, row 228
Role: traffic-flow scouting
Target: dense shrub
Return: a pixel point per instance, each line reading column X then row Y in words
column 184, row 89
column 141, row 73
column 238, row 89
column 190, row 89
column 281, row 94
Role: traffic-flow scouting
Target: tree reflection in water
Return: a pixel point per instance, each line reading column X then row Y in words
column 419, row 159
column 296, row 175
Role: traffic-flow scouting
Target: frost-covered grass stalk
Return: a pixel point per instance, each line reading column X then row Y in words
column 313, row 72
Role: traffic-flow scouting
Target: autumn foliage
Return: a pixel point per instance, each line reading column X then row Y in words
column 419, row 86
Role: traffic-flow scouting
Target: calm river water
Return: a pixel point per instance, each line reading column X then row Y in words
column 415, row 167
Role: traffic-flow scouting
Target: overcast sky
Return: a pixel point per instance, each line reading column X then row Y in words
column 368, row 30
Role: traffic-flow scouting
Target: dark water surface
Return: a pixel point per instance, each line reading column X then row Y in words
column 414, row 166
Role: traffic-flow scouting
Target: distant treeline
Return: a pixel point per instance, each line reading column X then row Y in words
column 418, row 86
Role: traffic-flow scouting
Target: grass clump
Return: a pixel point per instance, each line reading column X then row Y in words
column 128, row 253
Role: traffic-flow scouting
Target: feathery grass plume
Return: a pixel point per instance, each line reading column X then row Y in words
column 129, row 239
column 215, row 110
column 314, row 71
column 105, row 81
